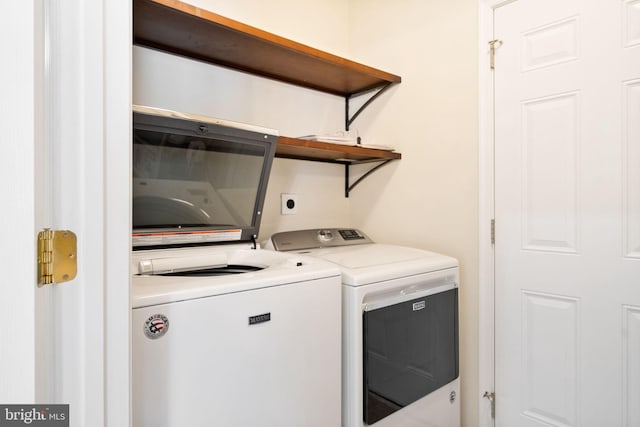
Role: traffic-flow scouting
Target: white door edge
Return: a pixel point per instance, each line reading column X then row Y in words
column 117, row 167
column 486, row 284
column 18, row 362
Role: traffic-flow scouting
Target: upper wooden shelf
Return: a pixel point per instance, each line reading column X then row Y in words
column 180, row 28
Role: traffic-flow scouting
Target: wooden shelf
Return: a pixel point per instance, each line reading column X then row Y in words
column 347, row 155
column 302, row 149
column 183, row 29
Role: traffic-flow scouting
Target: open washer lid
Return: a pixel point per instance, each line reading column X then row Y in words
column 197, row 180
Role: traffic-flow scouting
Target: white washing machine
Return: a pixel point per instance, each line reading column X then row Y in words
column 235, row 337
column 400, row 328
column 224, row 333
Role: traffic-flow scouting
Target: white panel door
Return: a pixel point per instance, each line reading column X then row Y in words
column 567, row 195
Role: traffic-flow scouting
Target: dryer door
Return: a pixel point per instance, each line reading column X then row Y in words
column 410, row 350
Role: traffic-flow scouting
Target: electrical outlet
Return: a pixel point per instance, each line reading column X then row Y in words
column 288, row 204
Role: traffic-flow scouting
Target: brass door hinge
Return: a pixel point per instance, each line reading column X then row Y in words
column 57, row 256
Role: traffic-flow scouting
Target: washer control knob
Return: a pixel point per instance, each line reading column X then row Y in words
column 325, row 235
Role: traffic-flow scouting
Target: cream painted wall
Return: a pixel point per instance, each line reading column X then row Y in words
column 320, row 24
column 429, row 198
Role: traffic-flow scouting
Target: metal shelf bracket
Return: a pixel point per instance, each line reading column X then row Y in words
column 348, row 120
column 348, row 188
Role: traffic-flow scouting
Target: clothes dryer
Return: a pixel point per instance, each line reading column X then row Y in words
column 400, row 328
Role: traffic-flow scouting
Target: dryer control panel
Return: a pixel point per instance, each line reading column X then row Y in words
column 318, row 238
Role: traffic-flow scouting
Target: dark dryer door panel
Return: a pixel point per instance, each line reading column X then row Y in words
column 410, row 350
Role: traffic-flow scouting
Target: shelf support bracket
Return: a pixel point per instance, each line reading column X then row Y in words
column 348, row 120
column 348, row 188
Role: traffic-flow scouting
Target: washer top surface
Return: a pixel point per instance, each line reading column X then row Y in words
column 361, row 260
column 170, row 275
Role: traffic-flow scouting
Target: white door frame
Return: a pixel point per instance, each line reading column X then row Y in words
column 486, row 282
column 87, row 115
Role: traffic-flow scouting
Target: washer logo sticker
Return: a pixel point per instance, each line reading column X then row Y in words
column 156, row 326
column 260, row 318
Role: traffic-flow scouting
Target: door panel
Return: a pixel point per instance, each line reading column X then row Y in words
column 567, row 195
column 630, row 367
column 631, row 23
column 549, row 174
column 631, row 167
column 550, row 330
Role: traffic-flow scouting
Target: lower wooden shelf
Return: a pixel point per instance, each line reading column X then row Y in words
column 317, row 151
column 347, row 155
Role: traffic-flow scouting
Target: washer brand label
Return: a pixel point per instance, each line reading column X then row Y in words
column 419, row 305
column 260, row 318
column 156, row 326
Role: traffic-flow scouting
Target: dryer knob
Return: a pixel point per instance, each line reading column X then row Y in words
column 325, row 235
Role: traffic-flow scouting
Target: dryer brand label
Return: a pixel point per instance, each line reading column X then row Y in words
column 419, row 305
column 260, row 318
column 156, row 326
